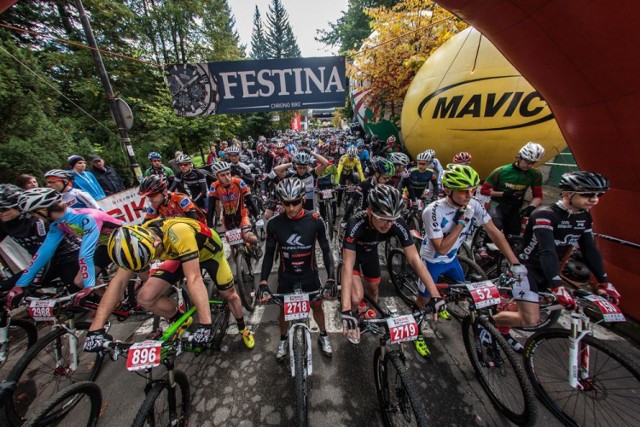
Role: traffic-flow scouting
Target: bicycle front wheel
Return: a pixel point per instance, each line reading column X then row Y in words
column 85, row 410
column 48, row 367
column 402, row 276
column 399, row 399
column 165, row 405
column 245, row 281
column 300, row 380
column 609, row 391
column 498, row 370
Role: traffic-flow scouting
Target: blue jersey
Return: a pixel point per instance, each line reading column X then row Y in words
column 364, row 158
column 416, row 182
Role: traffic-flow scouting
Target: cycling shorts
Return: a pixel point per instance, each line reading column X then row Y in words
column 367, row 266
column 101, row 257
column 528, row 289
column 308, row 283
column 219, row 271
column 451, row 270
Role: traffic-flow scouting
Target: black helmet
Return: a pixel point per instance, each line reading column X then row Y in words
column 152, row 184
column 385, row 200
column 583, row 181
column 9, row 195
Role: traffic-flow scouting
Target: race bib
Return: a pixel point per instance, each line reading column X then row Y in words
column 42, row 310
column 610, row 312
column 234, row 237
column 144, row 355
column 296, row 306
column 327, row 194
column 484, row 294
column 403, row 328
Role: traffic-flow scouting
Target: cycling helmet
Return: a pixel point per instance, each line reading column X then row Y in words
column 399, row 159
column 583, row 181
column 244, row 144
column 183, row 158
column 280, row 144
column 431, row 153
column 131, row 247
column 262, row 139
column 425, row 156
column 360, row 143
column 261, row 148
column 460, row 177
column 38, row 198
column 154, row 156
column 385, row 200
column 9, row 195
column 383, row 166
column 301, row 158
column 233, row 150
column 152, row 184
column 391, row 140
column 219, row 167
column 532, row 152
column 60, row 174
column 290, row 189
column 462, row 158
column 352, row 152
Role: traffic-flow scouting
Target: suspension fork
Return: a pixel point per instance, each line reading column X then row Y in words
column 578, row 352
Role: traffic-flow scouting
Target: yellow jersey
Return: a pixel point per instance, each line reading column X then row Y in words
column 185, row 239
column 347, row 164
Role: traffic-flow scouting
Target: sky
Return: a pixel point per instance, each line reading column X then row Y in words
column 305, row 17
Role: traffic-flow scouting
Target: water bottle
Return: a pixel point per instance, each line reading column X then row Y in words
column 364, row 312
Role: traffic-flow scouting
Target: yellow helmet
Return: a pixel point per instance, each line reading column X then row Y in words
column 132, row 247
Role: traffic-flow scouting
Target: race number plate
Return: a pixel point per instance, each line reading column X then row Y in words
column 42, row 311
column 144, row 355
column 296, row 306
column 484, row 294
column 610, row 312
column 403, row 328
column 234, row 237
column 327, row 194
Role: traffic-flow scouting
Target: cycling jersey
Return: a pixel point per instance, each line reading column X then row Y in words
column 195, row 182
column 231, row 196
column 92, row 225
column 439, row 220
column 243, row 172
column 75, row 198
column 362, row 236
column 347, row 165
column 176, row 204
column 30, row 232
column 358, row 200
column 364, row 158
column 436, row 166
column 161, row 171
column 415, row 182
column 296, row 242
column 328, row 177
column 510, row 177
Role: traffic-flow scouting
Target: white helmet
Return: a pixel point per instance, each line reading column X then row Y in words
column 399, row 159
column 532, row 152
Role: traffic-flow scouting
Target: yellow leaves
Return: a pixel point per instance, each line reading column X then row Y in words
column 402, row 39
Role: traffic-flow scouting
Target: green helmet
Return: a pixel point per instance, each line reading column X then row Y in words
column 460, row 177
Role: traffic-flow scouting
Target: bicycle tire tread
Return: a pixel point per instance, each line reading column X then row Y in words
column 87, row 388
column 299, row 355
column 155, row 391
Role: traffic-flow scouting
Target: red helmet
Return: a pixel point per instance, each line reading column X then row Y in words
column 462, row 158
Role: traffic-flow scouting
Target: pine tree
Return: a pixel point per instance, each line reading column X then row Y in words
column 279, row 39
column 258, row 48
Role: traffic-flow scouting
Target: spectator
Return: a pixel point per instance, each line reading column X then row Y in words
column 83, row 179
column 107, row 177
column 173, row 163
column 26, row 181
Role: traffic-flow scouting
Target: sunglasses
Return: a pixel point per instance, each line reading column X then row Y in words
column 591, row 195
column 467, row 190
column 293, row 203
column 422, row 163
column 383, row 219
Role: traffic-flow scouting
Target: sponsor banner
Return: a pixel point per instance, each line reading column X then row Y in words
column 257, row 86
column 127, row 206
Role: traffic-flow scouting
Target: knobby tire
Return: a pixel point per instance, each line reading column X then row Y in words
column 300, row 380
column 147, row 415
column 49, row 414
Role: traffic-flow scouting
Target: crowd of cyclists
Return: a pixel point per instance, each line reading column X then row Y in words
column 280, row 182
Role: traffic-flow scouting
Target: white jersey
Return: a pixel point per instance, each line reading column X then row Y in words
column 438, row 223
column 75, row 198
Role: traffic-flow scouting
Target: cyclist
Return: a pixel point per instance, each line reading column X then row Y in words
column 383, row 171
column 186, row 247
column 328, row 179
column 233, row 194
column 246, row 151
column 418, row 178
column 349, row 170
column 282, row 156
column 62, row 181
column 448, row 223
column 238, row 169
column 265, row 156
column 92, row 225
column 166, row 204
column 391, row 146
column 380, row 221
column 363, row 154
column 435, row 165
column 157, row 168
column 507, row 186
column 462, row 158
column 400, row 162
column 295, row 235
column 193, row 179
column 302, row 162
column 552, row 231
column 30, row 232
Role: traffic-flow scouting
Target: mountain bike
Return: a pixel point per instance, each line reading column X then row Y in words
column 328, row 201
column 78, row 404
column 581, row 379
column 16, row 336
column 297, row 307
column 400, row 401
column 243, row 260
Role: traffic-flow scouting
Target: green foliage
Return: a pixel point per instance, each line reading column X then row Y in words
column 280, row 41
column 258, row 45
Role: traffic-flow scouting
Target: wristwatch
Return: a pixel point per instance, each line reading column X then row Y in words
column 193, row 88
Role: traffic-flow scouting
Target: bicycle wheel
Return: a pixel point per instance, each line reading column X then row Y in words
column 399, row 399
column 610, row 393
column 165, row 405
column 498, row 371
column 402, row 276
column 329, row 220
column 300, row 379
column 246, row 283
column 392, row 243
column 48, row 367
column 76, row 405
column 21, row 335
column 472, row 271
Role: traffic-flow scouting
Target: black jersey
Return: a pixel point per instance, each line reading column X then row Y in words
column 296, row 241
column 194, row 181
column 29, row 232
column 362, row 236
column 551, row 232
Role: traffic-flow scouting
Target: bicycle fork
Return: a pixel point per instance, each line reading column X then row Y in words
column 5, row 322
column 307, row 337
column 578, row 352
column 71, row 365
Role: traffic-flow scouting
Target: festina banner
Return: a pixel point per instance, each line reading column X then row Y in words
column 257, row 86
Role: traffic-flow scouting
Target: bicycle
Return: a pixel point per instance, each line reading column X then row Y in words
column 297, row 307
column 328, row 202
column 16, row 336
column 80, row 402
column 581, row 379
column 399, row 399
column 242, row 257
